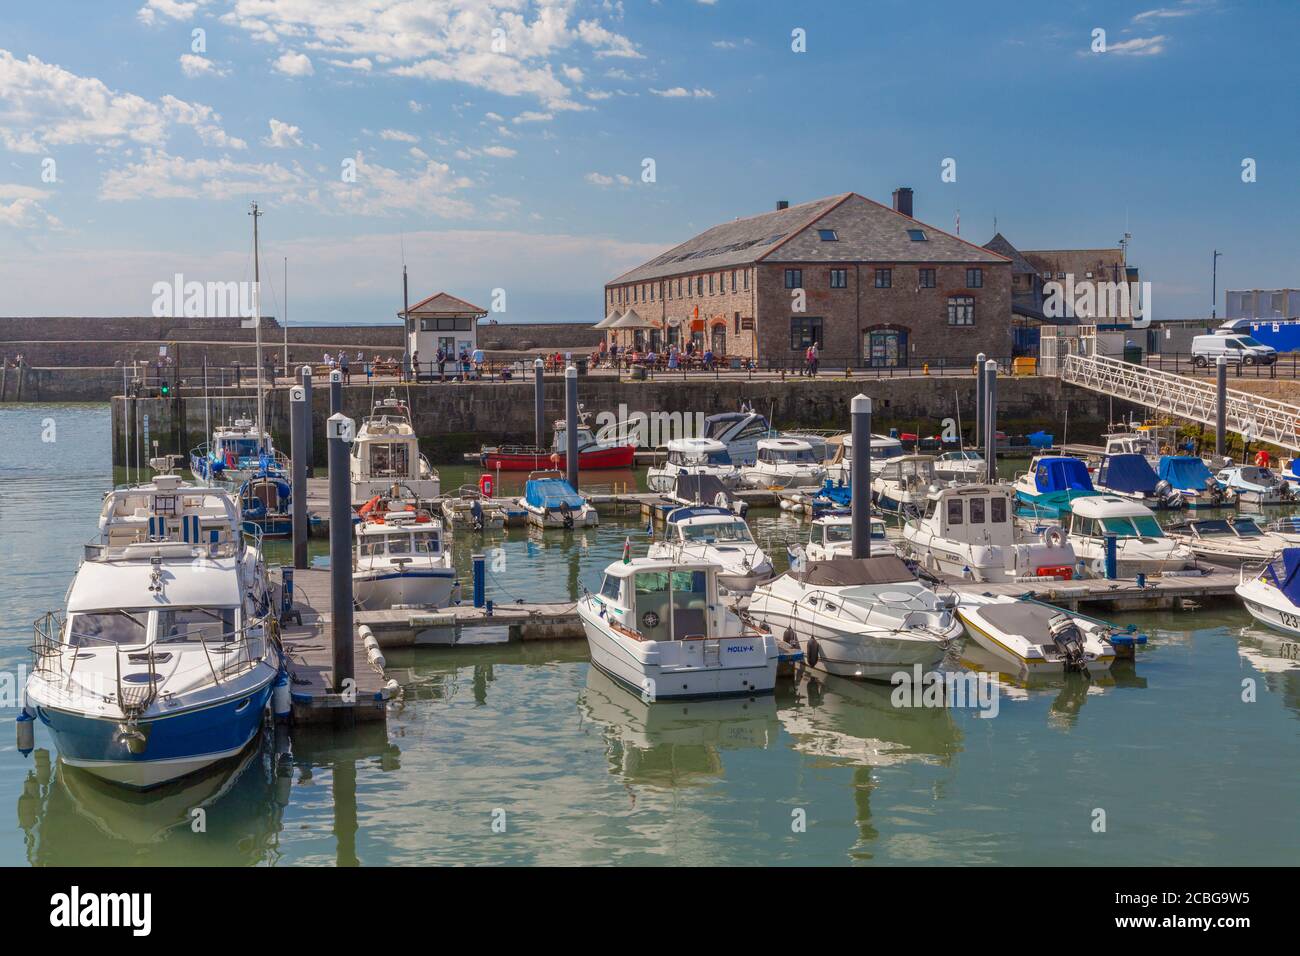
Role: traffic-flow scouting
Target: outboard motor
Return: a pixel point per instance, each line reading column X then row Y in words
column 1069, row 641
column 476, row 514
column 1213, row 490
column 566, row 513
column 1168, row 495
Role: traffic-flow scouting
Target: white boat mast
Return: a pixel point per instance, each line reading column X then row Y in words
column 257, row 326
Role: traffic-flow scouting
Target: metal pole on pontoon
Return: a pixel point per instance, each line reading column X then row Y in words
column 979, row 401
column 336, row 392
column 539, row 404
column 339, row 431
column 991, row 418
column 311, row 450
column 860, row 476
column 571, row 425
column 1221, row 407
column 299, row 427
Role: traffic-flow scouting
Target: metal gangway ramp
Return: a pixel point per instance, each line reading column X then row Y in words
column 1253, row 417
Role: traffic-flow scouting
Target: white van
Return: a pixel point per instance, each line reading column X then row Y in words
column 1234, row 347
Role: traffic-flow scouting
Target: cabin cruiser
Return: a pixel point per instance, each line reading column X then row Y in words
column 1037, row 638
column 551, row 502
column 400, row 560
column 739, row 433
column 831, row 536
column 961, row 466
column 903, row 483
column 266, row 502
column 1052, row 484
column 715, row 536
column 868, row 618
column 236, row 453
column 1130, row 475
column 969, row 530
column 784, row 463
column 1231, row 541
column 696, row 456
column 840, row 467
column 1272, row 593
column 1192, row 478
column 693, row 489
column 1141, row 545
column 612, row 448
column 166, row 656
column 1136, row 442
column 386, row 450
column 1256, row 485
column 470, row 508
column 659, row 627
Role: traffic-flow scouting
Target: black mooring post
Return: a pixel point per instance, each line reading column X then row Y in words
column 571, row 426
column 311, row 444
column 860, row 475
column 299, row 428
column 991, row 418
column 336, row 392
column 339, row 430
column 539, row 404
column 1221, row 407
column 979, row 401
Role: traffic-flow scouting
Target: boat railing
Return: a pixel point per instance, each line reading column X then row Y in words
column 533, row 450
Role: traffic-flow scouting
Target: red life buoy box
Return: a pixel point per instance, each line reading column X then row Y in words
column 485, row 486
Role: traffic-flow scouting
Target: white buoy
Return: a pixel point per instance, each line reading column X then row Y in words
column 281, row 698
column 26, row 732
column 373, row 653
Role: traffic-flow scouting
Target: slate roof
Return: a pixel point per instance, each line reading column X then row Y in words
column 443, row 303
column 1019, row 264
column 867, row 231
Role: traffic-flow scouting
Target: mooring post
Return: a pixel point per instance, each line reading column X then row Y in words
column 1112, row 556
column 539, row 404
column 571, row 426
column 991, row 418
column 339, row 430
column 299, row 428
column 860, row 475
column 336, row 392
column 1221, row 407
column 979, row 401
column 311, row 445
column 480, row 579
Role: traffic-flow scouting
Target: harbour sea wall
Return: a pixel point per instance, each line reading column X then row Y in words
column 454, row 418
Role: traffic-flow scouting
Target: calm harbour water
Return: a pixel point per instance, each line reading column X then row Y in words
column 587, row 773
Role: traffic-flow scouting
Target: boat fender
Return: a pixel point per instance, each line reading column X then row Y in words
column 26, row 733
column 813, row 652
column 281, row 697
column 1053, row 537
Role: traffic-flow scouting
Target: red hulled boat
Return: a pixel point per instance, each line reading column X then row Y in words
column 593, row 453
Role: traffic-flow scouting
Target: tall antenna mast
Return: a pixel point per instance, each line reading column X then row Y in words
column 257, row 320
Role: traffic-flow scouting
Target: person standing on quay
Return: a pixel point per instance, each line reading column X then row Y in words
column 344, row 367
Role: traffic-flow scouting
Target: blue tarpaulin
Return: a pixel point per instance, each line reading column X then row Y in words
column 1127, row 474
column 1290, row 583
column 1041, row 439
column 1062, row 474
column 551, row 493
column 1184, row 472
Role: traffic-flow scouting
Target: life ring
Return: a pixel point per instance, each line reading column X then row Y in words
column 1262, row 458
column 232, row 460
column 1053, row 537
column 485, row 486
column 813, row 653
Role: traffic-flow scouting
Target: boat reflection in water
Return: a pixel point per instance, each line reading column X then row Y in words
column 226, row 815
column 674, row 743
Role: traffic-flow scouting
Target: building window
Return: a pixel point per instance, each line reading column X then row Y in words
column 710, row 283
column 794, row 278
column 925, row 278
column 886, row 348
column 839, row 278
column 804, row 331
column 679, row 288
column 828, row 235
column 974, row 278
column 961, row 310
column 733, row 280
column 737, row 323
column 699, row 285
column 745, row 278
column 884, row 278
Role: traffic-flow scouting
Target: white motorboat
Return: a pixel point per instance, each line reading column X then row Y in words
column 1231, row 541
column 1256, row 485
column 739, row 432
column 969, row 530
column 659, row 628
column 400, row 559
column 1191, row 477
column 551, row 502
column 840, row 466
column 784, row 463
column 236, row 453
column 694, row 456
column 868, row 618
column 470, row 508
column 387, row 450
column 1051, row 484
column 831, row 536
column 903, row 483
column 1036, row 638
column 709, row 535
column 1131, row 476
column 1141, row 545
column 961, row 467
column 1272, row 593
column 166, row 658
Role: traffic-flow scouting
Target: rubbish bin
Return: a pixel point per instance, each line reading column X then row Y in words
column 637, row 373
column 1133, row 354
column 582, row 365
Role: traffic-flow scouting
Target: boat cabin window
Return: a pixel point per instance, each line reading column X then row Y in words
column 108, row 627
column 998, row 510
column 977, row 510
column 1138, row 526
column 427, row 542
column 1246, row 527
column 389, row 459
column 671, row 605
column 787, row 455
column 954, row 511
column 195, row 624
column 612, row 588
column 1216, row 526
column 715, row 532
column 242, row 447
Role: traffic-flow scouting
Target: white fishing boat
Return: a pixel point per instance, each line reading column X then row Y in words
column 784, row 463
column 693, row 456
column 1141, row 545
column 551, row 502
column 831, row 536
column 400, row 558
column 1036, row 638
column 961, row 467
column 1271, row 593
column 166, row 656
column 237, row 452
column 970, row 531
column 471, row 508
column 1231, row 541
column 739, row 432
column 387, row 450
column 659, row 628
column 840, row 466
column 903, row 483
column 1256, row 485
column 868, row 618
column 716, row 536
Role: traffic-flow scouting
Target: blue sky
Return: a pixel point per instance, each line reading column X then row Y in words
column 520, row 167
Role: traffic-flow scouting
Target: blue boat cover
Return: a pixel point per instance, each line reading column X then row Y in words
column 1127, row 473
column 1184, row 472
column 1062, row 474
column 1290, row 583
column 1041, row 439
column 835, row 495
column 551, row 493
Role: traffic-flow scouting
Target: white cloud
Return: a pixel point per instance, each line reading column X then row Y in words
column 171, row 9
column 193, row 65
column 379, row 191
column 1185, row 8
column 20, row 207
column 679, row 92
column 361, row 64
column 414, row 107
column 1139, row 46
column 294, row 64
column 398, row 136
column 600, row 179
column 500, row 152
column 160, row 175
column 598, row 95
column 283, row 135
column 532, row 116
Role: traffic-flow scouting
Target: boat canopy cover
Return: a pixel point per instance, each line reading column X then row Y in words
column 1041, row 439
column 551, row 493
column 1290, row 583
column 1062, row 474
column 1127, row 473
column 1021, row 618
column 699, row 488
column 849, row 572
column 1184, row 472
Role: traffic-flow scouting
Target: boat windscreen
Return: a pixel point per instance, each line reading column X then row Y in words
column 1247, row 527
column 848, row 572
column 1215, row 526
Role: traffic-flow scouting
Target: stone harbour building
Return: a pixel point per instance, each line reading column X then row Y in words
column 868, row 283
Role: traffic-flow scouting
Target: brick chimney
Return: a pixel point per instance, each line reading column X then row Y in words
column 903, row 200
column 783, row 204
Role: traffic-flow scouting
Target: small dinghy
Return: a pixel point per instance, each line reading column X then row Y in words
column 1256, row 485
column 468, row 508
column 551, row 502
column 1037, row 638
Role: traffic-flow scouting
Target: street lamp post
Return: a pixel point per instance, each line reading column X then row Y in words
column 1214, row 286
